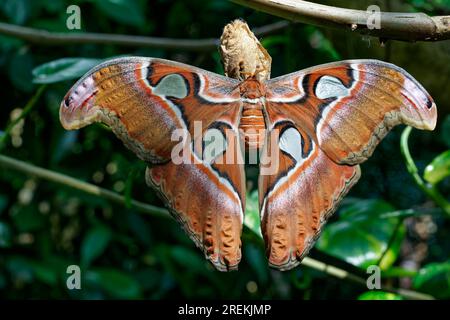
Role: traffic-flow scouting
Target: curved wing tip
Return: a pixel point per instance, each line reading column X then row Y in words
column 79, row 106
column 294, row 259
column 431, row 125
column 220, row 266
column 291, row 264
column 63, row 117
column 76, row 113
column 428, row 121
column 73, row 121
column 224, row 263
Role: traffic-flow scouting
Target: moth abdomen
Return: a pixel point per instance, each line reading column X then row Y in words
column 252, row 125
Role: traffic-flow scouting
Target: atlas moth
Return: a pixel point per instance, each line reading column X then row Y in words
column 328, row 119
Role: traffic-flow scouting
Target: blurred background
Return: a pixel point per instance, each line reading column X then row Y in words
column 386, row 220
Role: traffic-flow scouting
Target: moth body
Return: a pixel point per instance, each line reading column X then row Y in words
column 252, row 125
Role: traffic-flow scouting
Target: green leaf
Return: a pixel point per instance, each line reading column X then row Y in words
column 3, row 281
column 128, row 12
column 19, row 69
column 379, row 295
column 363, row 208
column 16, row 10
column 321, row 44
column 434, row 279
column 5, row 235
column 398, row 272
column 44, row 272
column 406, row 213
column 64, row 145
column 133, row 174
column 445, row 131
column 301, row 280
column 94, row 244
column 251, row 219
column 258, row 262
column 63, row 69
column 27, row 218
column 3, row 203
column 149, row 279
column 274, row 40
column 138, row 226
column 361, row 236
column 114, row 282
column 184, row 256
column 438, row 169
column 20, row 268
column 52, row 7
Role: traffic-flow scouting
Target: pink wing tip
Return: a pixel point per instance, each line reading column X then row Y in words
column 416, row 97
column 431, row 123
column 78, row 109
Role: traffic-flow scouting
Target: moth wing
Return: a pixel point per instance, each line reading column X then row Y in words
column 299, row 188
column 349, row 106
column 147, row 103
column 329, row 119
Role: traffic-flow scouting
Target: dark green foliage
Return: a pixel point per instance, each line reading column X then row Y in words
column 362, row 234
column 123, row 253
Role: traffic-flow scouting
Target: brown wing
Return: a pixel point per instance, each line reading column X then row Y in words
column 148, row 103
column 329, row 118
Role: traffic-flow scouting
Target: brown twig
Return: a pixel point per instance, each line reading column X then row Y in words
column 43, row 37
column 35, row 171
column 393, row 25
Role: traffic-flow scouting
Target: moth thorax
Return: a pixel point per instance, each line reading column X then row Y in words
column 252, row 125
column 252, row 89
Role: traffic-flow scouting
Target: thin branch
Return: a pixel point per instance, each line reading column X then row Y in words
column 345, row 275
column 391, row 240
column 393, row 25
column 271, row 28
column 49, row 175
column 63, row 179
column 43, row 37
